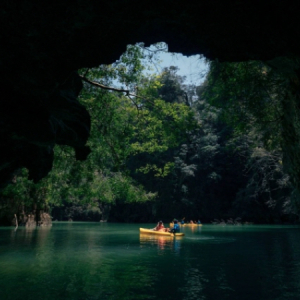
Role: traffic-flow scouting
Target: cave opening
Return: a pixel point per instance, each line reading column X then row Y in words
column 44, row 46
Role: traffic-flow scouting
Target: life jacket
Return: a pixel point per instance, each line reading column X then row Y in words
column 176, row 228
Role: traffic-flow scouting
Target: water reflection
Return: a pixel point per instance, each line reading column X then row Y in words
column 162, row 242
column 195, row 228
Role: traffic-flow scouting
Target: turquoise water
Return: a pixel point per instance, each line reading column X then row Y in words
column 88, row 261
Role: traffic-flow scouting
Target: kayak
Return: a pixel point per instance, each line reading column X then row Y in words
column 151, row 231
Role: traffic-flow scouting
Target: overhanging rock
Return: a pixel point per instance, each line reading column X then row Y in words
column 43, row 44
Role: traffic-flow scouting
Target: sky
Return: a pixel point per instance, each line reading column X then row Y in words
column 193, row 67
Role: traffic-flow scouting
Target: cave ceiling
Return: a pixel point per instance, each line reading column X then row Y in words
column 44, row 43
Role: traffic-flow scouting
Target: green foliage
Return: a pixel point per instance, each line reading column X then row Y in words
column 123, row 126
column 16, row 197
column 164, row 148
column 250, row 95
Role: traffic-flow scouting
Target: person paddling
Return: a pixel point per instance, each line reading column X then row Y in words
column 176, row 227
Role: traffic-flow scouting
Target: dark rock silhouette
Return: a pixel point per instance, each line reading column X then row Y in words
column 43, row 44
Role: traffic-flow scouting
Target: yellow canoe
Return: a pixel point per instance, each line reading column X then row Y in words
column 151, row 231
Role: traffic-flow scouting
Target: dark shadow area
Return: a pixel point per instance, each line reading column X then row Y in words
column 43, row 45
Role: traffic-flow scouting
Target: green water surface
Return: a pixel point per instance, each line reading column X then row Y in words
column 89, row 261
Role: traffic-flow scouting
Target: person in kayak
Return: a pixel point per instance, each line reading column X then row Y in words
column 160, row 227
column 176, row 227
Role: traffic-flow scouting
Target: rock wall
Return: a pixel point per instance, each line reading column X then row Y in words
column 43, row 44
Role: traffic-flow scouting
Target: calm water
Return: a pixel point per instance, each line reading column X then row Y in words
column 90, row 261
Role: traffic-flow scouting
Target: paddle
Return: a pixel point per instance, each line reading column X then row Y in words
column 173, row 231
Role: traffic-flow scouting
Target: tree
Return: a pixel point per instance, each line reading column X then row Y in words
column 125, row 122
column 252, row 96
